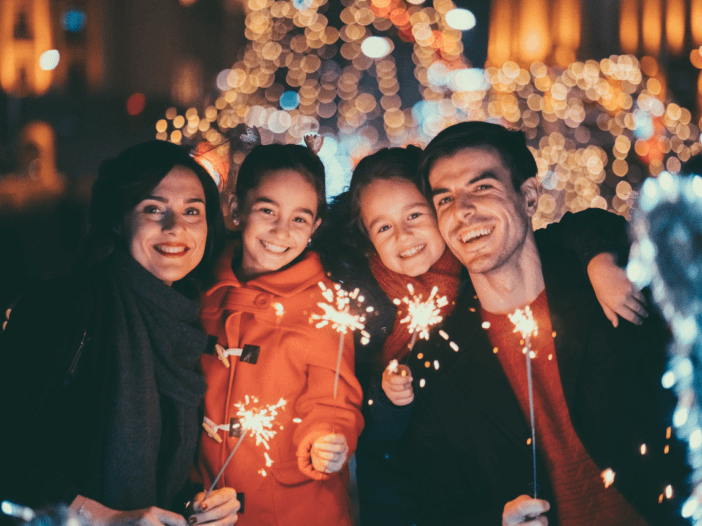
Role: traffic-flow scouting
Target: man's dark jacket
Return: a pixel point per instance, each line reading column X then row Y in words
column 468, row 434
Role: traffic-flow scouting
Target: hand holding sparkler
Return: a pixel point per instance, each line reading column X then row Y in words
column 329, row 453
column 397, row 384
column 220, row 505
column 525, row 510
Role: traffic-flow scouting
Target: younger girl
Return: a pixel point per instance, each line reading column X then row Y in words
column 385, row 216
column 267, row 288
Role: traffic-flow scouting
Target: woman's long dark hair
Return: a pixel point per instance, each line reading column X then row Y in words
column 125, row 181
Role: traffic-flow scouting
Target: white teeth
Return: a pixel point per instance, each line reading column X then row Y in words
column 480, row 232
column 412, row 251
column 273, row 248
column 170, row 250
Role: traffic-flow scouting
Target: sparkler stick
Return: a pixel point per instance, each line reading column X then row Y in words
column 226, row 463
column 257, row 421
column 524, row 323
column 338, row 313
column 421, row 315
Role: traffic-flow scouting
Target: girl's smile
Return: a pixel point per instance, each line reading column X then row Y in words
column 277, row 218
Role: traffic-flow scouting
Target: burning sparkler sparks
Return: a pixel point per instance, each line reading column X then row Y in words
column 341, row 318
column 524, row 323
column 257, row 421
column 607, row 477
column 421, row 315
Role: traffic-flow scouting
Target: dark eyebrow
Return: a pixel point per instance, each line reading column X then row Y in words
column 480, row 177
column 164, row 200
column 271, row 202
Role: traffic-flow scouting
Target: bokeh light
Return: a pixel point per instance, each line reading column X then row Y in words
column 49, row 60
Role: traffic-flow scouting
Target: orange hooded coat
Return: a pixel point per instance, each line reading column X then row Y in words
column 297, row 363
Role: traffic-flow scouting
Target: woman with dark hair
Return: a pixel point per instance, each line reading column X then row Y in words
column 100, row 380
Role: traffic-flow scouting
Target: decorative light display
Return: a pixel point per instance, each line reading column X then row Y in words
column 597, row 129
column 667, row 254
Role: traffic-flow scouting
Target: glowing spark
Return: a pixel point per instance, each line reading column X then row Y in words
column 279, row 310
column 259, row 421
column 669, row 492
column 340, row 316
column 643, row 449
column 297, row 420
column 524, row 322
column 607, row 477
column 269, row 462
column 422, row 382
column 421, row 315
column 393, row 366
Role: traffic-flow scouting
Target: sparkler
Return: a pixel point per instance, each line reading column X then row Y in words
column 338, row 313
column 524, row 323
column 258, row 422
column 421, row 315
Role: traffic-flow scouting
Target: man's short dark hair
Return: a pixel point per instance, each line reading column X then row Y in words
column 509, row 144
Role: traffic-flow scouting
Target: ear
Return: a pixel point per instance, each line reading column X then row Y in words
column 530, row 195
column 316, row 224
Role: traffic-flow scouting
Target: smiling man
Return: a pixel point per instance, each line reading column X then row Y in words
column 597, row 395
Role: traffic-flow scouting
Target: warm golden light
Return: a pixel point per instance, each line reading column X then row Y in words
column 500, row 32
column 534, row 39
column 696, row 21
column 651, row 26
column 629, row 26
column 675, row 25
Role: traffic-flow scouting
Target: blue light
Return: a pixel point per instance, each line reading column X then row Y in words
column 289, row 100
column 301, row 5
column 643, row 125
column 73, row 20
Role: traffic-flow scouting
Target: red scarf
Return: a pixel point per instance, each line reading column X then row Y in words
column 444, row 274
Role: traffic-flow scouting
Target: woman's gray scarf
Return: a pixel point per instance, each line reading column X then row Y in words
column 153, row 427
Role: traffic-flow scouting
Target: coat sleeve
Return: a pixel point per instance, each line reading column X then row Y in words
column 321, row 413
column 386, row 420
column 36, row 349
column 588, row 233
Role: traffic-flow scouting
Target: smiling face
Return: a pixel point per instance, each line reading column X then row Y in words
column 277, row 219
column 401, row 225
column 167, row 231
column 483, row 219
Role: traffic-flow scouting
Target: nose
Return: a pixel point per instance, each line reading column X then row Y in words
column 464, row 206
column 280, row 227
column 403, row 230
column 171, row 221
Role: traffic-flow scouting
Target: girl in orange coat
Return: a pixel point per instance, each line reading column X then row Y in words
column 265, row 293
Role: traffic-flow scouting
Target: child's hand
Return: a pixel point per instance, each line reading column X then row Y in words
column 329, row 453
column 614, row 291
column 397, row 384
